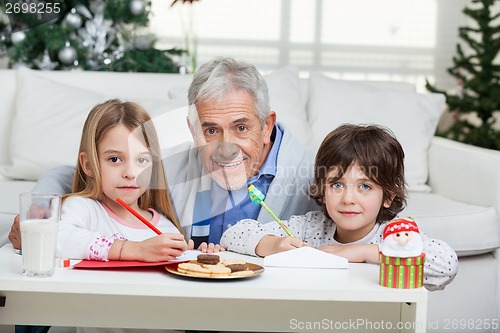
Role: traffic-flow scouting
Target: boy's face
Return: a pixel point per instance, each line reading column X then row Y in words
column 126, row 165
column 353, row 202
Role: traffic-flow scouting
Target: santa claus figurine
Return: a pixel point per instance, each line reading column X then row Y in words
column 401, row 239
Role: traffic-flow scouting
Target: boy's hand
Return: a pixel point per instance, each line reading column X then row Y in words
column 271, row 244
column 354, row 252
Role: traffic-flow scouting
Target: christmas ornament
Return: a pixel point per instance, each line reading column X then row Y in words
column 3, row 48
column 402, row 239
column 45, row 63
column 67, row 55
column 84, row 11
column 97, row 6
column 18, row 37
column 100, row 35
column 137, row 7
column 73, row 19
column 97, row 35
column 401, row 255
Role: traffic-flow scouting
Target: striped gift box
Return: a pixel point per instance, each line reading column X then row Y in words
column 401, row 272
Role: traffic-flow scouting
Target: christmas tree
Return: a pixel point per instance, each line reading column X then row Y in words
column 478, row 79
column 82, row 34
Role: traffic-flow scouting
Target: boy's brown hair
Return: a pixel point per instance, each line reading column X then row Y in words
column 375, row 150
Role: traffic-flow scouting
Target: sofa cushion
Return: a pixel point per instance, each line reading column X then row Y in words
column 287, row 101
column 468, row 229
column 49, row 118
column 411, row 116
column 47, row 111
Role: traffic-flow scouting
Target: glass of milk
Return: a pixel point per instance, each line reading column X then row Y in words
column 40, row 214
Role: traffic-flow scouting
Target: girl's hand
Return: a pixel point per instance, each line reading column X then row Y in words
column 163, row 247
column 271, row 244
column 354, row 252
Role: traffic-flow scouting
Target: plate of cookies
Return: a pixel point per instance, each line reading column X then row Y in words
column 211, row 266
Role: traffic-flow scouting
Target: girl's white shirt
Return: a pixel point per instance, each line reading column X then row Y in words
column 87, row 224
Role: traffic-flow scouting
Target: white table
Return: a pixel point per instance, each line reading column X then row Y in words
column 281, row 299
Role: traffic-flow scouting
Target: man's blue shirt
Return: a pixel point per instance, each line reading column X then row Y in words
column 228, row 207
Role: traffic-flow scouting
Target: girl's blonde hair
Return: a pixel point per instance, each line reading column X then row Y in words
column 104, row 117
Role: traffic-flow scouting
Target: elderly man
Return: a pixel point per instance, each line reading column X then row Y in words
column 237, row 143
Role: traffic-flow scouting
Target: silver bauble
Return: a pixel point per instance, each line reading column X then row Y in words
column 137, row 7
column 67, row 55
column 73, row 19
column 17, row 37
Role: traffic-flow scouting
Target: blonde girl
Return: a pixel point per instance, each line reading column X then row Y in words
column 119, row 156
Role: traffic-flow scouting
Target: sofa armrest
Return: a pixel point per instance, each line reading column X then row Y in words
column 464, row 172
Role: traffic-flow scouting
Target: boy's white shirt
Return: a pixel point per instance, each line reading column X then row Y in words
column 316, row 229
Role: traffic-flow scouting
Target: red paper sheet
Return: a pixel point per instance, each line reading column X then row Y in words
column 95, row 264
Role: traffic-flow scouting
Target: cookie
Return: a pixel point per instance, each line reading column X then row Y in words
column 217, row 269
column 208, row 259
column 192, row 269
column 196, row 274
column 243, row 273
column 237, row 267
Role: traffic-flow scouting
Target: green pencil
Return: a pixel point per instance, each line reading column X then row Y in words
column 258, row 198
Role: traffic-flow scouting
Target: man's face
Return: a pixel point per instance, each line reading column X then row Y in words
column 231, row 140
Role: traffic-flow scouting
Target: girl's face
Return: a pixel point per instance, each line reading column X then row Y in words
column 353, row 202
column 126, row 166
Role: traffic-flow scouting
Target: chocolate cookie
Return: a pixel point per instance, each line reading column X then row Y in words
column 208, row 259
column 237, row 267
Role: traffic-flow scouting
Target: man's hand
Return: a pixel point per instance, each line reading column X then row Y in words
column 207, row 248
column 15, row 233
column 34, row 212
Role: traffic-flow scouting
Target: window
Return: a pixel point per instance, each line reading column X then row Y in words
column 399, row 40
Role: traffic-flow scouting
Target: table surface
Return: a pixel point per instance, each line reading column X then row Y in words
column 358, row 283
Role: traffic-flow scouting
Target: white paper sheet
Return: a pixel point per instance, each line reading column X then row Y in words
column 189, row 255
column 305, row 257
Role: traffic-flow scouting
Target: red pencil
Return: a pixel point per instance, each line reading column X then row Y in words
column 143, row 220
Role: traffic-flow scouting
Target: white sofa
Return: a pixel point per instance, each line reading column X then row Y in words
column 454, row 188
